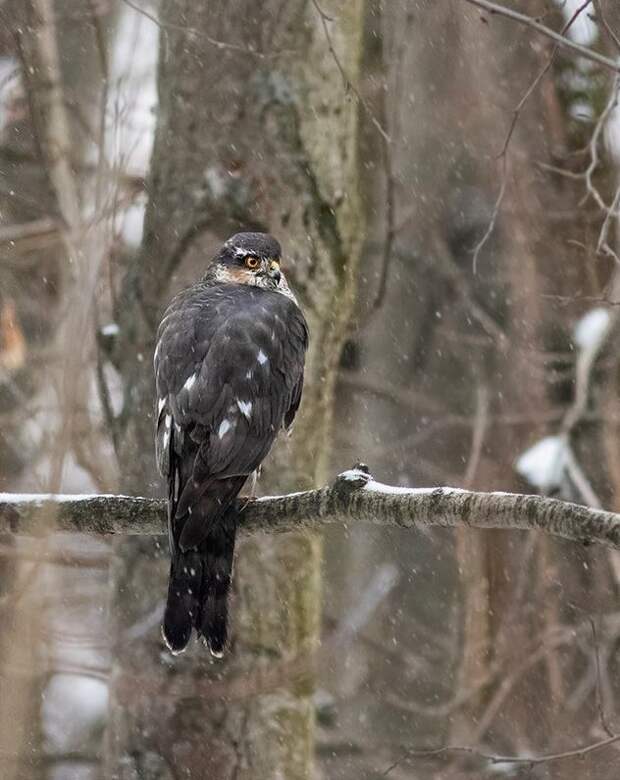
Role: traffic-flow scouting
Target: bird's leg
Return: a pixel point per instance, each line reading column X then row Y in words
column 254, row 476
column 254, row 481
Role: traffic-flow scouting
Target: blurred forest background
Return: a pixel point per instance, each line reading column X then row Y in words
column 445, row 185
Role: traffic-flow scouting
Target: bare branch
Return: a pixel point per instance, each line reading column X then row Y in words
column 503, row 155
column 194, row 32
column 353, row 497
column 498, row 204
column 606, row 26
column 528, row 21
column 586, row 361
column 599, row 688
column 349, row 85
column 493, row 759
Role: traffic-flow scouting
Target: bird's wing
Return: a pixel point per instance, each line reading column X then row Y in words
column 229, row 367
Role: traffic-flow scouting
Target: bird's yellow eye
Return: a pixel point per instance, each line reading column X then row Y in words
column 252, row 262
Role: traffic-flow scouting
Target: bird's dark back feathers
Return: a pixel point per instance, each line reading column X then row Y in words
column 229, row 375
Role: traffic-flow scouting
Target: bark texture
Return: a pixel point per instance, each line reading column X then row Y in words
column 255, row 131
column 454, row 374
column 354, row 496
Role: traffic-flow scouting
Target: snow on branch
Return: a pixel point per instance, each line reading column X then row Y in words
column 354, row 496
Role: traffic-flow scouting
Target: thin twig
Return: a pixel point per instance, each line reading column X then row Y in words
column 494, row 214
column 193, row 31
column 585, row 364
column 593, row 146
column 566, row 299
column 528, row 21
column 528, row 92
column 493, row 759
column 602, row 245
column 349, row 85
column 606, row 26
column 503, row 155
column 599, row 692
column 481, row 422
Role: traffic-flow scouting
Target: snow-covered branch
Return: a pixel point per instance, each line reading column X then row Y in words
column 353, row 497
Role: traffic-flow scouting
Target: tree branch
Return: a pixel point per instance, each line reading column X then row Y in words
column 353, row 497
column 560, row 40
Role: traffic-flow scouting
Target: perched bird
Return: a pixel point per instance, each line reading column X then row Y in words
column 229, row 366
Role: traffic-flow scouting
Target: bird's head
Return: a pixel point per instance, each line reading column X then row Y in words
column 250, row 258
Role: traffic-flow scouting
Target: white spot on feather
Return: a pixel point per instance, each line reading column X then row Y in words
column 190, row 382
column 160, row 405
column 248, row 374
column 225, row 426
column 261, row 357
column 245, row 407
column 167, row 421
column 166, row 438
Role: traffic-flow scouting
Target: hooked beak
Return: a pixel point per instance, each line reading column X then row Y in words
column 271, row 270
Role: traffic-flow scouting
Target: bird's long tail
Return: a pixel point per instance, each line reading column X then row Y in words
column 201, row 572
column 212, row 625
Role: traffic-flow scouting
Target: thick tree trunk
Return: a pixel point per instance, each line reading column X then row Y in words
column 446, row 335
column 256, row 130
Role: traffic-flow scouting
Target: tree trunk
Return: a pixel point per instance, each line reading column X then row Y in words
column 254, row 132
column 446, row 85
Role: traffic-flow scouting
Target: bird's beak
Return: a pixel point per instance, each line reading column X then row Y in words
column 271, row 269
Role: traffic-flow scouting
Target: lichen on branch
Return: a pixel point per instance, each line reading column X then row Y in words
column 354, row 496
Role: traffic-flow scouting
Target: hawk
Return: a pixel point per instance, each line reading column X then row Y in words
column 229, row 368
